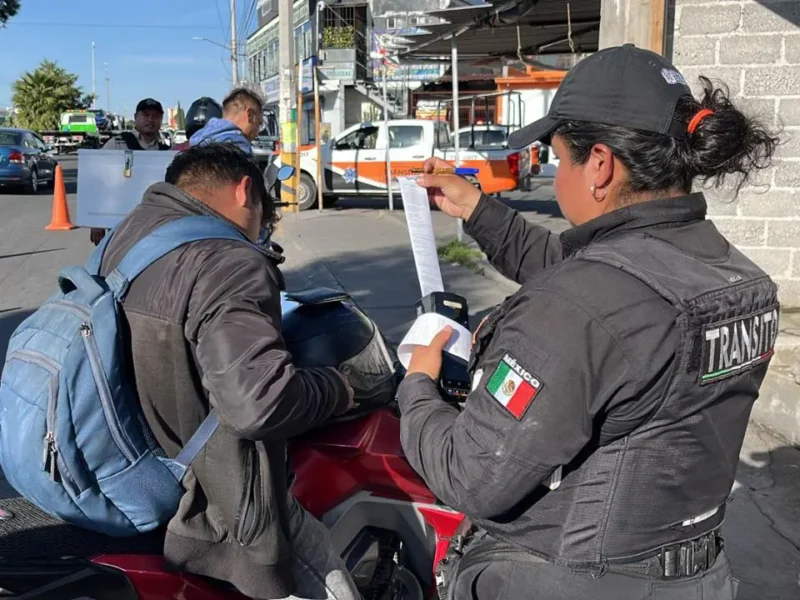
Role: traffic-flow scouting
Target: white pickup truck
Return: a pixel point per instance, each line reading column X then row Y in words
column 354, row 162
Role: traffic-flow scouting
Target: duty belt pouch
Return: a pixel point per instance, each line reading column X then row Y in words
column 476, row 547
column 448, row 567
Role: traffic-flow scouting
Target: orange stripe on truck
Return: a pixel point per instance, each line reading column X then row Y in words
column 494, row 176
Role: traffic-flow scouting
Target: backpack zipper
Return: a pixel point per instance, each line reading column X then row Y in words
column 124, row 445
column 50, row 459
column 72, row 307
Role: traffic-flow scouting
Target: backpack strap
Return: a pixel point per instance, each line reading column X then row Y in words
column 96, row 259
column 164, row 240
column 198, row 440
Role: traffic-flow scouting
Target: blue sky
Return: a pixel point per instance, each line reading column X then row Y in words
column 147, row 43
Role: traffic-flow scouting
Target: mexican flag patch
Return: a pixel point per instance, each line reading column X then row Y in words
column 513, row 387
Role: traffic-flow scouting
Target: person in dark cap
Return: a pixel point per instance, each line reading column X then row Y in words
column 611, row 393
column 147, row 125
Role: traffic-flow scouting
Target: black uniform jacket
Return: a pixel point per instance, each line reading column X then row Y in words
column 580, row 354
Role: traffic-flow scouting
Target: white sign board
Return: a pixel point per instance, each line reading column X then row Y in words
column 105, row 194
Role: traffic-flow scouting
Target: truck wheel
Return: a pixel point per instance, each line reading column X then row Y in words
column 307, row 192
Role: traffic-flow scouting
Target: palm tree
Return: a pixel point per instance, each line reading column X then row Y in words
column 42, row 95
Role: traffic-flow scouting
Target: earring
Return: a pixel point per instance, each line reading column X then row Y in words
column 602, row 196
column 592, row 189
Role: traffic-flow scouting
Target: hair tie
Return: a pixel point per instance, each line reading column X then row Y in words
column 695, row 122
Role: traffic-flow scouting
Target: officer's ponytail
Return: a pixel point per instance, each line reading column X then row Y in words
column 720, row 143
column 721, row 140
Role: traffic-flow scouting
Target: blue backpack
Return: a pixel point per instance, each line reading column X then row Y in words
column 73, row 438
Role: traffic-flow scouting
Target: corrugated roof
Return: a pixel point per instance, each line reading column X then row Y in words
column 509, row 28
column 461, row 14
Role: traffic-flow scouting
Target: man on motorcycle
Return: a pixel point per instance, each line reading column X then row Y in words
column 204, row 327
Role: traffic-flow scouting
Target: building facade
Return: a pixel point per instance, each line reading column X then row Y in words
column 350, row 75
column 754, row 47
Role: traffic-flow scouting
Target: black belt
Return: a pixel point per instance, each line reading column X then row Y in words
column 685, row 559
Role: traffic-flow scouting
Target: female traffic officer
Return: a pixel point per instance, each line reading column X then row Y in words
column 611, row 393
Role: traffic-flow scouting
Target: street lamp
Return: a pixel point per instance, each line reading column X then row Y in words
column 203, row 39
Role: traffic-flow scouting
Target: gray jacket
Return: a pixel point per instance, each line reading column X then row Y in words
column 204, row 327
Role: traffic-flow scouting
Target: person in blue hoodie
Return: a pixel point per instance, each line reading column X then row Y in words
column 242, row 119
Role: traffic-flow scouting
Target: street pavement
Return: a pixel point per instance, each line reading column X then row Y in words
column 364, row 250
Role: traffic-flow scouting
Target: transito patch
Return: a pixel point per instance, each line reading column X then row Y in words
column 737, row 345
column 513, row 386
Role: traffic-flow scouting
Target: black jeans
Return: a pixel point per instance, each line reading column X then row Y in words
column 512, row 580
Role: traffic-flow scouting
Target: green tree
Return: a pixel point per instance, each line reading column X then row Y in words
column 85, row 101
column 8, row 8
column 43, row 94
column 180, row 117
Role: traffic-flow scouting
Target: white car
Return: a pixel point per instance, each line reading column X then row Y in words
column 180, row 137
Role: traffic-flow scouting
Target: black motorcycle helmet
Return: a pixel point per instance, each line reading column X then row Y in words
column 200, row 112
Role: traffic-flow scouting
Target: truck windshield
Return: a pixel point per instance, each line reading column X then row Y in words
column 78, row 118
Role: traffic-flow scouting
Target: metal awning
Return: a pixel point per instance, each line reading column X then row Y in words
column 526, row 27
column 462, row 14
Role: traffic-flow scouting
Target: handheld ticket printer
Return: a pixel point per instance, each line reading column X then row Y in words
column 454, row 382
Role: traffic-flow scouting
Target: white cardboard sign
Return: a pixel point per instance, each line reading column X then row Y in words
column 105, row 194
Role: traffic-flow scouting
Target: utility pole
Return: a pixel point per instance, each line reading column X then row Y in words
column 234, row 49
column 288, row 102
column 94, row 80
column 386, row 129
column 108, row 89
column 456, row 123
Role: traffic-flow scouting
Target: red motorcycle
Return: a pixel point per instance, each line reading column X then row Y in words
column 351, row 474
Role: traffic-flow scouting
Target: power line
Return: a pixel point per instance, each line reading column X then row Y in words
column 225, row 33
column 248, row 20
column 107, row 25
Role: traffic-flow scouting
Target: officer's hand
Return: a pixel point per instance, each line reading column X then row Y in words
column 453, row 194
column 428, row 359
column 350, row 401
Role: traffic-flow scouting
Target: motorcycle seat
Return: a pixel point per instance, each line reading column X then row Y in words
column 26, row 532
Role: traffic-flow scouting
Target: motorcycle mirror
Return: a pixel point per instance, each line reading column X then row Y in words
column 285, row 172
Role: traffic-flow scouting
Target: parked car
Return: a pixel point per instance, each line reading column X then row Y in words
column 25, row 160
column 179, row 137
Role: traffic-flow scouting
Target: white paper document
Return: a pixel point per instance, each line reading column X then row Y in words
column 425, row 329
column 420, row 230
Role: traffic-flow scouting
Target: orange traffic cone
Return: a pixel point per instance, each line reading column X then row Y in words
column 60, row 220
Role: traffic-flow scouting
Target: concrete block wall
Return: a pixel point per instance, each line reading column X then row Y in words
column 754, row 47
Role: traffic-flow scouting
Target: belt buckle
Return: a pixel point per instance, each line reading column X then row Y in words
column 669, row 562
column 687, row 559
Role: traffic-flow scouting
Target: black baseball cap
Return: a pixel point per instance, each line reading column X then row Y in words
column 624, row 86
column 150, row 104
